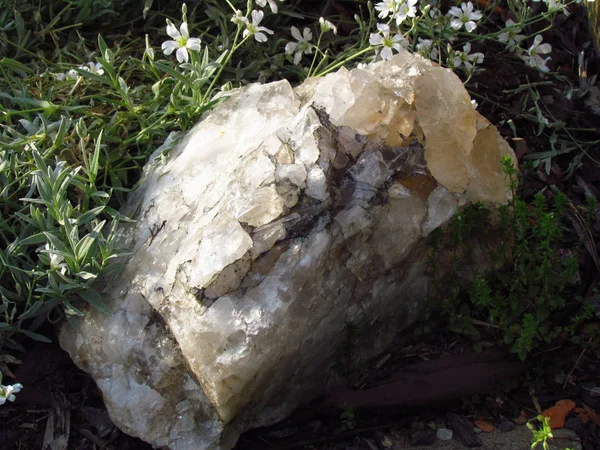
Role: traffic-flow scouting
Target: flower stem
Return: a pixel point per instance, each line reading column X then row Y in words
column 223, row 65
column 345, row 60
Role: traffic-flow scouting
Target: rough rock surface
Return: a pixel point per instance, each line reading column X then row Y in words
column 282, row 216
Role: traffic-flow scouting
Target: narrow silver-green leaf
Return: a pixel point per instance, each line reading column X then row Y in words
column 89, row 215
column 36, row 336
column 93, row 298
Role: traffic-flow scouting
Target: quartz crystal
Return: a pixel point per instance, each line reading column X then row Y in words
column 282, row 216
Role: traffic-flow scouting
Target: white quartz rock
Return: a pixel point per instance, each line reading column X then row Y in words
column 398, row 190
column 296, row 173
column 282, row 216
column 441, row 207
column 371, row 169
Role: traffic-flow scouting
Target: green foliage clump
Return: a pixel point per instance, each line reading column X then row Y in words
column 530, row 278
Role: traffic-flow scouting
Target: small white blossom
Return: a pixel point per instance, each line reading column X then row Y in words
column 93, row 68
column 510, row 37
column 73, row 74
column 182, row 42
column 326, row 26
column 533, row 57
column 557, row 5
column 406, row 9
column 302, row 46
column 464, row 16
column 69, row 75
column 389, row 43
column 56, row 260
column 8, row 392
column 386, row 8
column 254, row 28
column 435, row 13
column 474, row 104
column 272, row 5
column 239, row 18
column 426, row 49
column 465, row 58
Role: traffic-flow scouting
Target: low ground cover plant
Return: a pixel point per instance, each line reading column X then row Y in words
column 90, row 89
column 533, row 272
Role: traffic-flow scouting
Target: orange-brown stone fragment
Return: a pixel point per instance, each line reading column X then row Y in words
column 559, row 412
column 484, row 426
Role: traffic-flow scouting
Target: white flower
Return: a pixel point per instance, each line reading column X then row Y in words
column 435, row 13
column 302, row 46
column 510, row 37
column 8, row 392
column 326, row 26
column 387, row 7
column 182, row 42
column 425, row 48
column 537, row 62
column 464, row 16
column 533, row 57
column 69, row 75
column 467, row 59
column 557, row 5
column 388, row 42
column 239, row 18
column 56, row 260
column 73, row 74
column 93, row 68
column 406, row 9
column 474, row 104
column 272, row 4
column 253, row 29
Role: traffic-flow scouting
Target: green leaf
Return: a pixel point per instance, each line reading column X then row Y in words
column 35, row 200
column 104, row 50
column 21, row 69
column 123, row 86
column 36, row 336
column 70, row 310
column 38, row 238
column 81, row 129
column 40, row 307
column 59, row 247
column 100, row 194
column 93, row 298
column 173, row 72
column 83, row 247
column 89, row 215
column 65, row 124
column 93, row 168
column 93, row 76
column 32, row 311
column 147, row 6
column 108, row 68
column 86, row 275
column 118, row 216
column 39, row 161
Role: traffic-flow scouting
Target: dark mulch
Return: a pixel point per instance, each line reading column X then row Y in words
column 431, row 378
column 59, row 403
